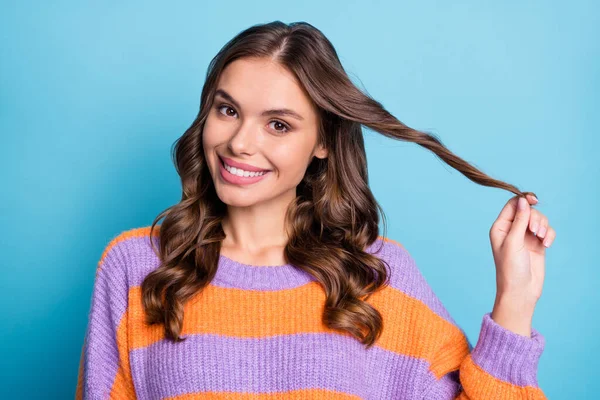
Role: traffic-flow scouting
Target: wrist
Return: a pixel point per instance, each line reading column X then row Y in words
column 513, row 314
column 516, row 302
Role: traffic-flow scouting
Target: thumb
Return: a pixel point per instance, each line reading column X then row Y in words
column 521, row 221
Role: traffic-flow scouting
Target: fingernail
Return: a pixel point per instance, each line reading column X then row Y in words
column 522, row 203
column 542, row 232
column 534, row 228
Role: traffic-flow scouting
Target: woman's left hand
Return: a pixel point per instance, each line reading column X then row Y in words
column 519, row 238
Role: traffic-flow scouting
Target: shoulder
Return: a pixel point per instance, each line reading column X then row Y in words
column 403, row 269
column 406, row 277
column 413, row 308
column 130, row 254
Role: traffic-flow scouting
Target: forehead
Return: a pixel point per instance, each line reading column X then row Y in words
column 260, row 84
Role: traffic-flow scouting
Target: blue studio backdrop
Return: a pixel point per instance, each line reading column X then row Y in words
column 93, row 95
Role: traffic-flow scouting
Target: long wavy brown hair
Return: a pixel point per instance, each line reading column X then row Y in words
column 334, row 216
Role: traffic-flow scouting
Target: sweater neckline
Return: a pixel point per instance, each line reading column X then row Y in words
column 235, row 274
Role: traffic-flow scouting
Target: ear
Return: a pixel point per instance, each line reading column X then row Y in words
column 321, row 152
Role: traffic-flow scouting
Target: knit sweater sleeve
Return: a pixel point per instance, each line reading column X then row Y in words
column 104, row 370
column 503, row 365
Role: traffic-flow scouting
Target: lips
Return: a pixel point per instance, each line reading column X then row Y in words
column 240, row 181
column 243, row 166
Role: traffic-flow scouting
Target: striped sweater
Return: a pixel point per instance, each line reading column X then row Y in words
column 255, row 332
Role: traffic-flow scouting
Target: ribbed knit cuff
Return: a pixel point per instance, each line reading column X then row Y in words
column 507, row 355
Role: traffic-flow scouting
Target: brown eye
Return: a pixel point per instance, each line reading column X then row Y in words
column 278, row 125
column 226, row 107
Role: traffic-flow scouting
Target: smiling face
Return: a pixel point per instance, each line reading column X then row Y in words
column 241, row 129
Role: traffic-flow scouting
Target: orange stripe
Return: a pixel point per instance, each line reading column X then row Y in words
column 123, row 384
column 479, row 384
column 269, row 313
column 386, row 239
column 317, row 394
column 79, row 389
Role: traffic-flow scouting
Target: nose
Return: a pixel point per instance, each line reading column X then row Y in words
column 245, row 140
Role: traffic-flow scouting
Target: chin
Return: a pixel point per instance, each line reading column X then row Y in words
column 235, row 198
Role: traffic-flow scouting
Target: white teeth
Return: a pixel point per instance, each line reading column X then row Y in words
column 241, row 172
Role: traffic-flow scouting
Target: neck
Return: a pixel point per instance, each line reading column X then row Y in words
column 253, row 229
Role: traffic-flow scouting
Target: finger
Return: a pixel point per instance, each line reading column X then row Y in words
column 532, row 199
column 507, row 214
column 550, row 236
column 543, row 228
column 534, row 221
column 521, row 220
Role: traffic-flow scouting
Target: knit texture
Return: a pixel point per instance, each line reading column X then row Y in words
column 255, row 332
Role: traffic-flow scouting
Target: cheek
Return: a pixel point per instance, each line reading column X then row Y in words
column 208, row 134
column 290, row 160
column 208, row 145
column 212, row 137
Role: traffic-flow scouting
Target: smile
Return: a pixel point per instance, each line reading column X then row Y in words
column 241, row 172
column 238, row 176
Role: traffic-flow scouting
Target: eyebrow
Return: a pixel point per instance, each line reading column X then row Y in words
column 277, row 111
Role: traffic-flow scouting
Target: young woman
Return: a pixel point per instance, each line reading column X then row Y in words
column 269, row 277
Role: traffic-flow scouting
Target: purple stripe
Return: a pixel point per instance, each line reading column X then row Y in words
column 108, row 305
column 447, row 387
column 507, row 355
column 230, row 274
column 405, row 276
column 503, row 354
column 210, row 362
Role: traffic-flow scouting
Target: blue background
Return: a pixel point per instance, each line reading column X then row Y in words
column 93, row 94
